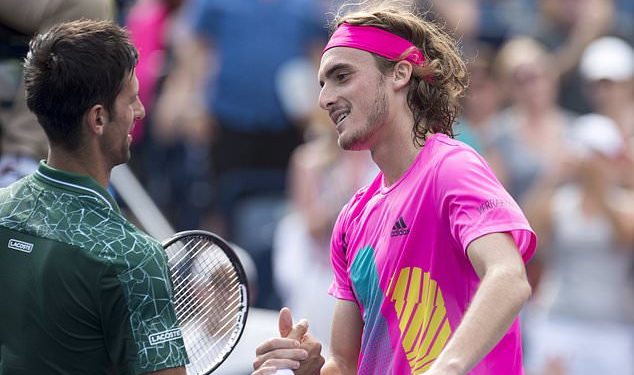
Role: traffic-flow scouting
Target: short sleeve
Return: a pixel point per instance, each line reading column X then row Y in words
column 148, row 297
column 118, row 337
column 475, row 203
column 341, row 286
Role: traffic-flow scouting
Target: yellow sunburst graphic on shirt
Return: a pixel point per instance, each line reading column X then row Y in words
column 422, row 316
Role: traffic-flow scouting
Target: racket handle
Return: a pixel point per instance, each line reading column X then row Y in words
column 284, row 371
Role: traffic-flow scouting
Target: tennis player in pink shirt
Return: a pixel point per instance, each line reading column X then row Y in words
column 429, row 259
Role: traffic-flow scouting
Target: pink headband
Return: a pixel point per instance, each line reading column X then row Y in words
column 375, row 40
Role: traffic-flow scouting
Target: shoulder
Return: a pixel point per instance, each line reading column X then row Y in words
column 442, row 142
column 459, row 169
column 17, row 202
column 90, row 224
column 9, row 192
column 123, row 243
column 452, row 156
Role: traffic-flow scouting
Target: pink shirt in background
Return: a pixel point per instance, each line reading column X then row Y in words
column 399, row 252
column 147, row 22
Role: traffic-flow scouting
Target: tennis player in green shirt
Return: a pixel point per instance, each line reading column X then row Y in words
column 82, row 291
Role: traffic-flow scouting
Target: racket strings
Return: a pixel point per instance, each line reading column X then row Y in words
column 226, row 279
column 210, row 336
column 208, row 299
column 215, row 346
column 222, row 319
column 198, row 324
column 210, row 262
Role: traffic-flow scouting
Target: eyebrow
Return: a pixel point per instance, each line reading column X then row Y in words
column 331, row 71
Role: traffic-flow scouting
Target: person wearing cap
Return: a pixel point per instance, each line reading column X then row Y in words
column 581, row 318
column 429, row 258
column 607, row 67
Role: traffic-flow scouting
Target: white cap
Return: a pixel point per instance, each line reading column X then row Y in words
column 607, row 58
column 597, row 133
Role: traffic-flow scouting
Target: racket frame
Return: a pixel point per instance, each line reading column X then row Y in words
column 235, row 262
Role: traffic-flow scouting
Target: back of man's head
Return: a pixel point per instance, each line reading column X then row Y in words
column 72, row 67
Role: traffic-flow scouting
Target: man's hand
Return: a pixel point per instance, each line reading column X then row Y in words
column 295, row 349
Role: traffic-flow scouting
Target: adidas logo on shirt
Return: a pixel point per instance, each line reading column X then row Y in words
column 400, row 228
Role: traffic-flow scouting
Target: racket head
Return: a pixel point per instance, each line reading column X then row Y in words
column 210, row 296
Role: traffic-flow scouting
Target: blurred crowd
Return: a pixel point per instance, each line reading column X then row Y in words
column 234, row 143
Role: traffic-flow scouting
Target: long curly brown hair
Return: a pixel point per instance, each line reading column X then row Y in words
column 438, row 84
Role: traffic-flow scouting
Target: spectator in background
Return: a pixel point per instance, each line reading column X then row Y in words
column 23, row 141
column 251, row 130
column 607, row 68
column 566, row 27
column 228, row 73
column 149, row 24
column 462, row 19
column 174, row 161
column 459, row 17
column 482, row 100
column 500, row 19
column 581, row 319
column 529, row 132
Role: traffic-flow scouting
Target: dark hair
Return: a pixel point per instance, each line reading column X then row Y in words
column 72, row 67
column 437, row 85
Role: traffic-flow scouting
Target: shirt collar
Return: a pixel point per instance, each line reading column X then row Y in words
column 75, row 182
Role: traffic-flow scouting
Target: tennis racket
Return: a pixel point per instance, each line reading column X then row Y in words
column 210, row 297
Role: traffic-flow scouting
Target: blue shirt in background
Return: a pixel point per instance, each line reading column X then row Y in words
column 251, row 41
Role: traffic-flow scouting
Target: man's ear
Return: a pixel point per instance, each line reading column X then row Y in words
column 402, row 74
column 96, row 118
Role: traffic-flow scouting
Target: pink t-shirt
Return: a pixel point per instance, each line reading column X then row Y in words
column 399, row 252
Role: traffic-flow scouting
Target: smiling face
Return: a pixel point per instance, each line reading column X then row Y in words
column 353, row 92
column 127, row 108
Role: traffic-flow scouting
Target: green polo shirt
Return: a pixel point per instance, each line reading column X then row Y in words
column 82, row 291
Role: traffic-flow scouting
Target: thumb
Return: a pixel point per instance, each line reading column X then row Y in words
column 299, row 330
column 285, row 322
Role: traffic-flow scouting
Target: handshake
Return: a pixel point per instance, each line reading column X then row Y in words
column 295, row 350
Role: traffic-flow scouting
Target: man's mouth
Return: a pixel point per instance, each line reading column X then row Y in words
column 339, row 115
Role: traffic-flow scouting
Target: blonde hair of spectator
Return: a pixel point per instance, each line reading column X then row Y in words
column 517, row 52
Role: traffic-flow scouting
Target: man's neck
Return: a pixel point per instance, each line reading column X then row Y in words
column 396, row 151
column 79, row 162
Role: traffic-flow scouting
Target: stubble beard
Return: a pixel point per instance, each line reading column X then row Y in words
column 118, row 150
column 360, row 138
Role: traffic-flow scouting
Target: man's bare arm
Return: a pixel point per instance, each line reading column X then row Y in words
column 345, row 343
column 502, row 292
